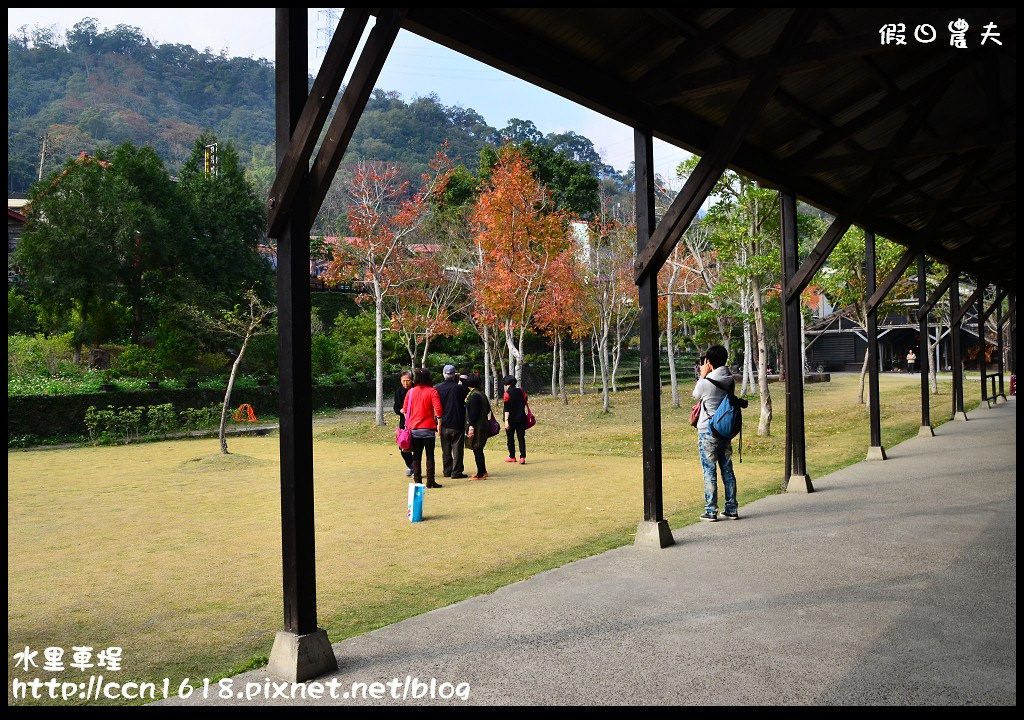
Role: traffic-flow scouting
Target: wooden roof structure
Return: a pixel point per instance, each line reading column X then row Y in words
column 841, row 106
column 899, row 120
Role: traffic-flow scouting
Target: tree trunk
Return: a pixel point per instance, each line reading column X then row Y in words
column 764, row 425
column 487, row 363
column 227, row 396
column 426, row 349
column 554, row 368
column 561, row 371
column 670, row 339
column 603, row 356
column 378, row 344
column 935, row 365
column 582, row 369
column 748, row 359
column 863, row 375
column 616, row 354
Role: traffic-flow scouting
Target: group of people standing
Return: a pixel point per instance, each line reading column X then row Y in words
column 458, row 412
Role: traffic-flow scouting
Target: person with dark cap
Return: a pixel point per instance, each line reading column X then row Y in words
column 453, row 422
column 515, row 419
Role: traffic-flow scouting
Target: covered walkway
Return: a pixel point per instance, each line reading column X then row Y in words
column 892, row 584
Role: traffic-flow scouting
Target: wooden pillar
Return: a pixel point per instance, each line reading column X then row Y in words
column 797, row 478
column 301, row 651
column 956, row 351
column 653, row 531
column 999, row 349
column 982, row 365
column 923, row 361
column 875, row 449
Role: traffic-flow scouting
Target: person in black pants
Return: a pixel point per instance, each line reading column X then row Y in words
column 453, row 422
column 515, row 419
column 478, row 425
column 405, row 383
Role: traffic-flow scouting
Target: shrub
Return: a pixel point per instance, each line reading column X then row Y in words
column 324, row 355
column 177, row 345
column 39, row 355
column 138, row 362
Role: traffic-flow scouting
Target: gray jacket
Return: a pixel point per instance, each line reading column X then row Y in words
column 710, row 395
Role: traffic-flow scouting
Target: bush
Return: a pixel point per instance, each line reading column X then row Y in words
column 21, row 316
column 177, row 345
column 324, row 355
column 39, row 355
column 261, row 355
column 138, row 362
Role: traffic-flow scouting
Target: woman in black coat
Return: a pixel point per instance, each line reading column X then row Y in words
column 478, row 425
column 405, row 383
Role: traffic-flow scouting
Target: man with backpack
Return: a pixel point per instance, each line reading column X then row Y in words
column 718, row 422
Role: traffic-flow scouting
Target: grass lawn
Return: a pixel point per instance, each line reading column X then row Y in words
column 173, row 552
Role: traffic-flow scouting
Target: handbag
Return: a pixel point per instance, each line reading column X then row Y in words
column 695, row 414
column 403, row 436
column 495, row 426
column 531, row 419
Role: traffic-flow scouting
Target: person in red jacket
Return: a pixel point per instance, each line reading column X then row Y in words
column 423, row 418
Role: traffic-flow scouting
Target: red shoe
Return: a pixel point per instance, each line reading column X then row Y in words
column 522, row 461
column 478, row 477
column 510, row 459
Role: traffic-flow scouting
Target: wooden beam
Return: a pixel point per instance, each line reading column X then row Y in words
column 701, row 182
column 802, row 58
column 293, row 302
column 650, row 371
column 927, row 306
column 943, row 72
column 353, row 100
column 1000, row 295
column 874, row 410
column 942, row 146
column 865, row 190
column 697, row 46
column 293, row 169
column 967, row 304
column 892, row 278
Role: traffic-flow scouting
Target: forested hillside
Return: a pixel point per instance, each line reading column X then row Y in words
column 89, row 87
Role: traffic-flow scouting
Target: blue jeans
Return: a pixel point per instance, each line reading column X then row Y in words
column 714, row 450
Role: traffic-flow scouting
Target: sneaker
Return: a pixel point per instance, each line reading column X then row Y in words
column 478, row 477
column 408, row 472
column 730, row 515
column 522, row 461
column 709, row 516
column 510, row 459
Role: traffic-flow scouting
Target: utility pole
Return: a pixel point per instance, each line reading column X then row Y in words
column 42, row 154
column 326, row 29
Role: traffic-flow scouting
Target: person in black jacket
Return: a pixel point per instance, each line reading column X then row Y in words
column 515, row 419
column 405, row 382
column 478, row 425
column 453, row 422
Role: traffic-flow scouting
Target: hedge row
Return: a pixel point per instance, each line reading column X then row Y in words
column 56, row 417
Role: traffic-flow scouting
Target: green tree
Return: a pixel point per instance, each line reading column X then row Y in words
column 228, row 222
column 65, row 252
column 844, row 280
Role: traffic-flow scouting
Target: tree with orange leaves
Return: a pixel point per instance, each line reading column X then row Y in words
column 423, row 307
column 519, row 234
column 383, row 223
column 560, row 313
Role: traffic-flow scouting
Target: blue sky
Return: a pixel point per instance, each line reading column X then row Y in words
column 416, row 67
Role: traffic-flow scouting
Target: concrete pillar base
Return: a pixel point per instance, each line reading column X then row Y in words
column 960, row 415
column 654, row 534
column 876, row 452
column 298, row 658
column 926, row 431
column 799, row 484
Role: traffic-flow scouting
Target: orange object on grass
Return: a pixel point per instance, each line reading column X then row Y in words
column 245, row 413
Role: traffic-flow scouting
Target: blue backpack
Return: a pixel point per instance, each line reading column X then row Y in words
column 727, row 422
